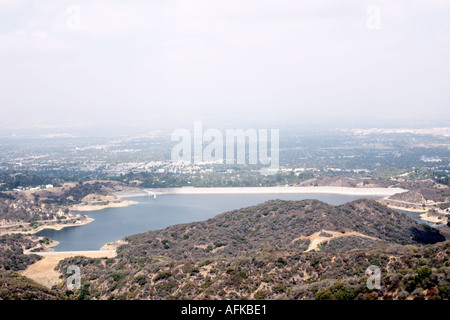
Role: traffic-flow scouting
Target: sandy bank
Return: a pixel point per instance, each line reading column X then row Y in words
column 434, row 219
column 423, row 214
column 113, row 245
column 43, row 270
column 95, row 207
column 382, row 192
column 406, row 209
column 62, row 226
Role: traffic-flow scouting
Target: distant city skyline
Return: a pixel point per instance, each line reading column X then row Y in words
column 88, row 66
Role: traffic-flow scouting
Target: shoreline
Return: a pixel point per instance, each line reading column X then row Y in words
column 434, row 219
column 56, row 227
column 62, row 226
column 382, row 192
column 423, row 214
column 407, row 209
column 96, row 207
column 43, row 270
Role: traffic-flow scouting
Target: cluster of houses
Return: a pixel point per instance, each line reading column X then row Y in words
column 19, row 188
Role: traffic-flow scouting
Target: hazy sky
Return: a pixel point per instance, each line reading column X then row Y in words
column 69, row 64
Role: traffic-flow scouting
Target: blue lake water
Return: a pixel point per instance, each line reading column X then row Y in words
column 152, row 214
column 416, row 216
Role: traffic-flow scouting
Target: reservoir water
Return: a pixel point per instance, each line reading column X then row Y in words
column 152, row 214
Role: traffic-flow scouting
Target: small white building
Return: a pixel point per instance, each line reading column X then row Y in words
column 48, row 186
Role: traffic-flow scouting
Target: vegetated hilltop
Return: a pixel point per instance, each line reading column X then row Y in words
column 420, row 191
column 14, row 286
column 28, row 209
column 39, row 205
column 25, row 207
column 12, row 255
column 342, row 181
column 17, row 287
column 424, row 195
column 278, row 249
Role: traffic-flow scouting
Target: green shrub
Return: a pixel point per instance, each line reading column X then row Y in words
column 141, row 280
column 423, row 273
column 162, row 275
column 444, row 292
column 280, row 262
column 324, row 295
column 337, row 292
column 261, row 295
column 118, row 276
column 229, row 270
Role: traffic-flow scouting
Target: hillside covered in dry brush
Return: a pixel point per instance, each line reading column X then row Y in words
column 276, row 250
